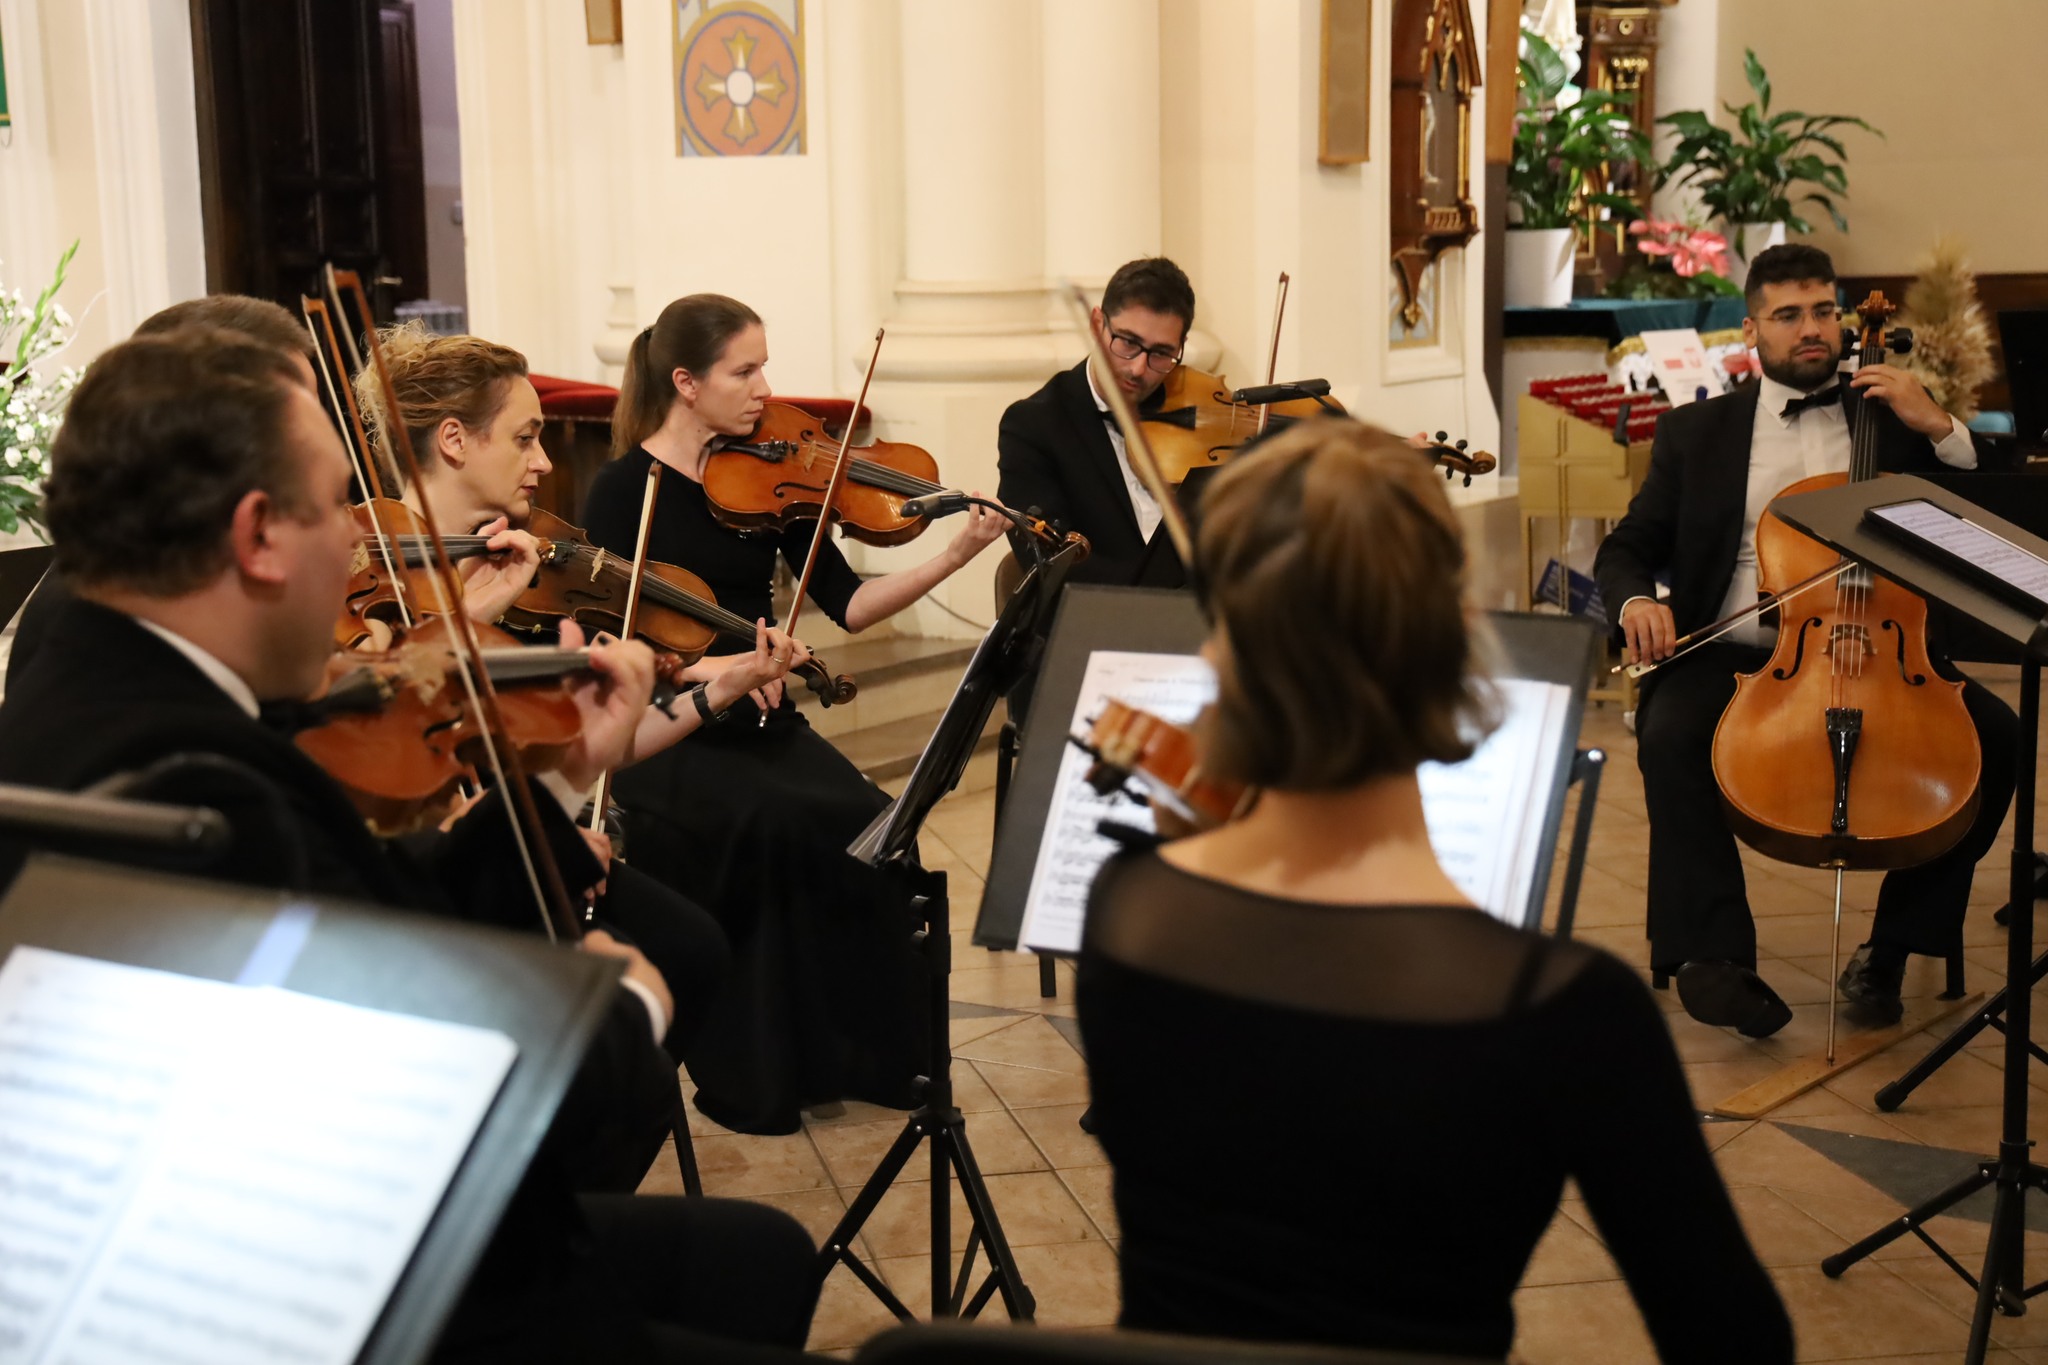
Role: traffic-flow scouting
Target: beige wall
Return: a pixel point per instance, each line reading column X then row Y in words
column 1957, row 87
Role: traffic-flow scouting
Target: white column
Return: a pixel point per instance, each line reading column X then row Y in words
column 1101, row 152
column 971, row 303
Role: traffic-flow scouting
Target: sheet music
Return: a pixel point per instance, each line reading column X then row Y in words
column 1173, row 687
column 194, row 1171
column 1485, row 815
column 1986, row 550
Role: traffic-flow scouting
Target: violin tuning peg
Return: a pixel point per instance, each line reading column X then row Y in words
column 1468, row 481
column 1461, row 445
column 1442, row 436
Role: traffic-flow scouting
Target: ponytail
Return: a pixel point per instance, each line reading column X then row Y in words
column 691, row 334
column 643, row 399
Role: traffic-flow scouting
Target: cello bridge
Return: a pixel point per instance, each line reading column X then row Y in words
column 1844, row 640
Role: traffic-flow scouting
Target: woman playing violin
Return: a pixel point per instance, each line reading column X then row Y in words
column 752, row 817
column 475, row 425
column 1317, row 951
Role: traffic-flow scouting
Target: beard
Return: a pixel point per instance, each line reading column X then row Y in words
column 1798, row 371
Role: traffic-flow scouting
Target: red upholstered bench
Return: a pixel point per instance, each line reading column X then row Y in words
column 575, row 400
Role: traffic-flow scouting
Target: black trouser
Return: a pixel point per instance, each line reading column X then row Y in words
column 627, row 1279
column 1698, row 906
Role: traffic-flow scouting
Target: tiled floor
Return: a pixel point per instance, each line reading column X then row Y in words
column 1811, row 1177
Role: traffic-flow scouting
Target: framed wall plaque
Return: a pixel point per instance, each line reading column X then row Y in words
column 1344, row 120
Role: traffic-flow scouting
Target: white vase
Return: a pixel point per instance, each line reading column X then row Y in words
column 1539, row 267
column 1750, row 238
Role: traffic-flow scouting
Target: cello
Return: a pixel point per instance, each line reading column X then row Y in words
column 1846, row 751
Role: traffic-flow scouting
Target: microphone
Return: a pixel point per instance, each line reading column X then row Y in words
column 1281, row 393
column 941, row 504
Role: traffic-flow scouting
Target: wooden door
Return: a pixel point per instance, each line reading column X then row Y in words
column 300, row 162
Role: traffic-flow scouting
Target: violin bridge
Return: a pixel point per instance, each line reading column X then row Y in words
column 597, row 563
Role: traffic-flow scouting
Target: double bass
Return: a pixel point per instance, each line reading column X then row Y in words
column 1846, row 751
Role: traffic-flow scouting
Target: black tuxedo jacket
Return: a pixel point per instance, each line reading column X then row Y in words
column 104, row 696
column 1053, row 452
column 1687, row 517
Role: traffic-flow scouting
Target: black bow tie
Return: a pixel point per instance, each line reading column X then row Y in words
column 1826, row 398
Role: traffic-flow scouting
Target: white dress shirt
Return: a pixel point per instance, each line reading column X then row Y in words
column 1782, row 451
column 1143, row 506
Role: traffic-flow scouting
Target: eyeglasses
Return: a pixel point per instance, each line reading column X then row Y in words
column 1160, row 359
column 1826, row 314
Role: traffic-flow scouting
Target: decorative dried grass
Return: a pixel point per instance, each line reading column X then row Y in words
column 1951, row 341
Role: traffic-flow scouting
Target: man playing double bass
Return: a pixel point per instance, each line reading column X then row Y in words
column 1715, row 466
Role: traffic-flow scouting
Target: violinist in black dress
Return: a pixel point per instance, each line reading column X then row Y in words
column 1458, row 1070
column 751, row 817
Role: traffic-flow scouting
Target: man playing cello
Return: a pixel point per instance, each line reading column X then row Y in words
column 1695, row 519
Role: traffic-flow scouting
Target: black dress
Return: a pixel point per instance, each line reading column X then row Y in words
column 1409, row 1088
column 823, row 999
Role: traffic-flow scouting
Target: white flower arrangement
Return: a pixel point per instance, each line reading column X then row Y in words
column 32, row 397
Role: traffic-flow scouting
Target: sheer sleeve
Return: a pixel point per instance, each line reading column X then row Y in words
column 1624, row 1120
column 834, row 582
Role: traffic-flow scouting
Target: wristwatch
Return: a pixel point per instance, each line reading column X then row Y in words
column 703, row 704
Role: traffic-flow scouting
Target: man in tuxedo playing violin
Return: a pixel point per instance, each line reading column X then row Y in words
column 199, row 502
column 1715, row 466
column 1059, row 450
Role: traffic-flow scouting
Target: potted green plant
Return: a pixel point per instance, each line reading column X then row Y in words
column 1747, row 176
column 1565, row 139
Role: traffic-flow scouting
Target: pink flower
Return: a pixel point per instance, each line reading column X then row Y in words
column 1691, row 249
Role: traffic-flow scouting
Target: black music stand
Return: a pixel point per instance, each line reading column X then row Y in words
column 1095, row 617
column 1835, row 517
column 550, row 1003
column 1009, row 650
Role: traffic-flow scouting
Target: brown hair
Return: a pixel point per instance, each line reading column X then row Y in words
column 258, row 319
column 1155, row 283
column 435, row 378
column 1334, row 574
column 164, row 436
column 691, row 334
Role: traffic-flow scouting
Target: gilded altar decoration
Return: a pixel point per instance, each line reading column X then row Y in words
column 1436, row 69
column 739, row 77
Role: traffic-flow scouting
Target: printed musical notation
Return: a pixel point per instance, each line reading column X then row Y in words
column 1173, row 687
column 191, row 1170
column 1485, row 815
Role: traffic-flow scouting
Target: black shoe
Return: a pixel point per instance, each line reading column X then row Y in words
column 1728, row 996
column 1871, row 991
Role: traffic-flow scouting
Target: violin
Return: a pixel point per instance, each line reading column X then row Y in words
column 1131, row 746
column 678, row 614
column 398, row 733
column 1199, row 423
column 781, row 473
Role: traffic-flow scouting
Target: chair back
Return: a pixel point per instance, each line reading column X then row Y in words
column 966, row 1344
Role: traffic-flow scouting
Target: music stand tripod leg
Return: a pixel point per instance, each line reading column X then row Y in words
column 2002, row 1282
column 940, row 1121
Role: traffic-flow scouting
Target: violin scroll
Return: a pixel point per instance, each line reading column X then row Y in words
column 1455, row 459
